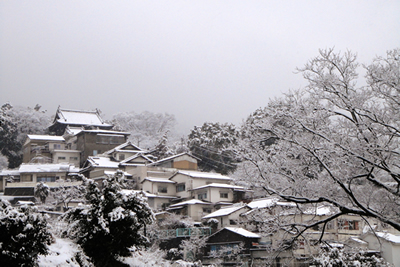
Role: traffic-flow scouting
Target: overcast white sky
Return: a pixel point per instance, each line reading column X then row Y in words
column 199, row 60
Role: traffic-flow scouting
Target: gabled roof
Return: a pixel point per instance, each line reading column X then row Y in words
column 217, row 185
column 102, row 162
column 224, row 212
column 158, row 180
column 190, row 202
column 125, row 147
column 79, row 117
column 146, row 194
column 130, row 160
column 239, row 231
column 204, row 175
column 175, row 156
column 72, row 130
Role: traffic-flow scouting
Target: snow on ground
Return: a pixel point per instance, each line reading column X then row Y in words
column 62, row 253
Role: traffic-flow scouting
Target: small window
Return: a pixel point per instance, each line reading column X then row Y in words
column 202, row 195
column 223, row 195
column 46, row 179
column 61, row 158
column 348, row 224
column 180, row 187
column 300, row 244
column 232, row 222
column 206, row 210
column 57, row 146
column 73, row 158
column 94, row 152
column 121, row 157
column 353, row 225
column 162, row 189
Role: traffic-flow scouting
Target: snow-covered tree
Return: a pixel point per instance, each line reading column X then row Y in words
column 212, row 143
column 65, row 193
column 29, row 121
column 9, row 146
column 111, row 223
column 334, row 142
column 192, row 248
column 42, row 191
column 3, row 162
column 162, row 150
column 15, row 124
column 23, row 235
column 146, row 128
column 338, row 257
column 229, row 253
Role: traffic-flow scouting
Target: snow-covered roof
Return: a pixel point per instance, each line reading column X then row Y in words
column 73, row 130
column 204, row 175
column 103, row 162
column 6, row 172
column 110, row 132
column 21, row 203
column 389, row 237
column 175, row 156
column 190, row 202
column 268, row 202
column 242, row 232
column 139, row 155
column 49, row 167
column 321, row 210
column 217, row 185
column 358, row 240
column 223, row 212
column 39, row 137
column 148, row 195
column 111, row 173
column 79, row 117
column 158, row 180
column 121, row 147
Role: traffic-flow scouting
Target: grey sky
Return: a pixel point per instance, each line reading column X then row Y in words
column 199, row 60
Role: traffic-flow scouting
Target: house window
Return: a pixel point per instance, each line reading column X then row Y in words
column 116, row 140
column 162, row 189
column 180, row 187
column 102, row 139
column 353, row 225
column 300, row 244
column 57, row 146
column 121, row 157
column 46, row 179
column 206, row 210
column 348, row 224
column 61, row 158
column 73, row 158
column 202, row 195
column 94, row 152
column 232, row 222
column 227, row 248
column 223, row 195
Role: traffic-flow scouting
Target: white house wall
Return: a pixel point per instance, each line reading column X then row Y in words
column 66, row 157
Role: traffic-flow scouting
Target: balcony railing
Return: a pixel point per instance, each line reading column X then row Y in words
column 184, row 232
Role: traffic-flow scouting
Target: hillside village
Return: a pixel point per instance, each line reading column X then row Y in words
column 82, row 143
